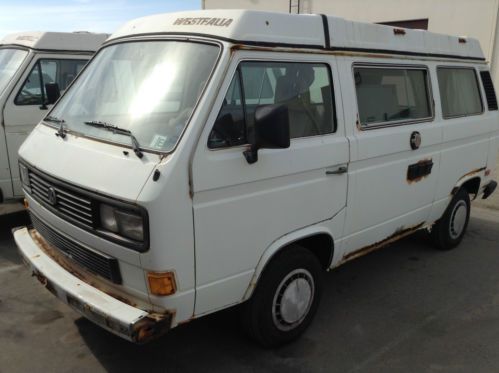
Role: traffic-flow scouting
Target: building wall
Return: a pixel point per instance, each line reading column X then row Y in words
column 270, row 5
column 473, row 18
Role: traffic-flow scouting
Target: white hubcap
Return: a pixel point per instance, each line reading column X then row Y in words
column 458, row 219
column 293, row 299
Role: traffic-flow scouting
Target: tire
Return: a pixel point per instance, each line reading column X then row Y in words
column 272, row 317
column 448, row 232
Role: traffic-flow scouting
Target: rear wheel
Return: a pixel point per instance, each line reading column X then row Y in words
column 286, row 298
column 448, row 232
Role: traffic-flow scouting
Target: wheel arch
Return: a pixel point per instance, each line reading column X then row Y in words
column 471, row 184
column 316, row 239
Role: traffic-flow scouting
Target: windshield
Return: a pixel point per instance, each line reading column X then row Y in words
column 149, row 88
column 10, row 60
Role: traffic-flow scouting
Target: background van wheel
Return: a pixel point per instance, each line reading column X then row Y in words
column 285, row 299
column 448, row 232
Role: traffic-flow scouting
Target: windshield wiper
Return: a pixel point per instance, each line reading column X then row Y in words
column 118, row 130
column 61, row 132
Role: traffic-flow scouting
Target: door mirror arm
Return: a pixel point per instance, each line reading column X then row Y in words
column 251, row 154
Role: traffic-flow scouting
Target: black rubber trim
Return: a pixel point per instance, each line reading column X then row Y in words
column 325, row 24
column 295, row 46
column 406, row 53
column 217, row 37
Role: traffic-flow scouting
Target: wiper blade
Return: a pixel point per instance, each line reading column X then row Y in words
column 50, row 118
column 122, row 131
column 61, row 132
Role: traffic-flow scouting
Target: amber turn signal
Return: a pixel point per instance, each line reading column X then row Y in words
column 161, row 283
column 26, row 204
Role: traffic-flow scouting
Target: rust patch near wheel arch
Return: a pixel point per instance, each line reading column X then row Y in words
column 471, row 173
column 467, row 175
column 399, row 233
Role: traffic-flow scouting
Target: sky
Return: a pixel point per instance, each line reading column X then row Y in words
column 81, row 15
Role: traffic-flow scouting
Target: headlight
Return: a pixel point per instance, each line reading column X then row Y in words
column 108, row 219
column 124, row 223
column 23, row 172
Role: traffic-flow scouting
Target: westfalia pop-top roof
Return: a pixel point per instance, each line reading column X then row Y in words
column 63, row 41
column 303, row 31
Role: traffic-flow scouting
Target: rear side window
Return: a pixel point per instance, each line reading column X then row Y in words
column 45, row 72
column 459, row 92
column 488, row 87
column 305, row 88
column 387, row 95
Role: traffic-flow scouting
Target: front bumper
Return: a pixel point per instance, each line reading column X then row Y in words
column 118, row 317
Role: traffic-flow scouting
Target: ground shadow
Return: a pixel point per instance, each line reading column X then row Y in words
column 217, row 343
column 8, row 251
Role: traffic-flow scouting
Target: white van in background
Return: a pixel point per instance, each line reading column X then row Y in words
column 207, row 159
column 34, row 68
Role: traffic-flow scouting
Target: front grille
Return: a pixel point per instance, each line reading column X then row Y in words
column 72, row 205
column 79, row 206
column 97, row 263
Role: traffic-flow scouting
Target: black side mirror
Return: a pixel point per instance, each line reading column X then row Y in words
column 53, row 93
column 271, row 130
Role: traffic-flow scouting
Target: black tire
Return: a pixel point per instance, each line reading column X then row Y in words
column 444, row 233
column 263, row 315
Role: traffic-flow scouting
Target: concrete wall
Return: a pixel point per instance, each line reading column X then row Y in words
column 270, row 5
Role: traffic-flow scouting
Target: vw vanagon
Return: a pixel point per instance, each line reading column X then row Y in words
column 208, row 159
column 34, row 68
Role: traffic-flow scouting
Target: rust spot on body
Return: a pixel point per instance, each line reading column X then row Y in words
column 152, row 327
column 399, row 233
column 312, row 50
column 422, row 177
column 465, row 176
column 471, row 173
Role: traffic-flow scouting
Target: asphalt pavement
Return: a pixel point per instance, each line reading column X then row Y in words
column 405, row 308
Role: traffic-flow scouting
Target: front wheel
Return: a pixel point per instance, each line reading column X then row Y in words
column 448, row 232
column 286, row 298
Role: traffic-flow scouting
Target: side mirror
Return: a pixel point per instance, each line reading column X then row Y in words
column 271, row 130
column 53, row 93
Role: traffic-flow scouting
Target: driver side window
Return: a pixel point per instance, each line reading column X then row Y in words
column 230, row 127
column 45, row 72
column 305, row 88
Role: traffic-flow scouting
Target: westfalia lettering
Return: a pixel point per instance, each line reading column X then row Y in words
column 203, row 21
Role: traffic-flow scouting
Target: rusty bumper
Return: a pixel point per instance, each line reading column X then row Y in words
column 120, row 318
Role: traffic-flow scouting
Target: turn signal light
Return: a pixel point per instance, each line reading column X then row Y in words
column 161, row 283
column 26, row 204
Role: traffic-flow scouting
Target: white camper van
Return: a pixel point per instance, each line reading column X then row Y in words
column 34, row 68
column 208, row 159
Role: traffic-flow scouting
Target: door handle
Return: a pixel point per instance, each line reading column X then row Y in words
column 338, row 171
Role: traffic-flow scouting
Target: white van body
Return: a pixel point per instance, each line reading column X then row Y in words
column 62, row 56
column 216, row 225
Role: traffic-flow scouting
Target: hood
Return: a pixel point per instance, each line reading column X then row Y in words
column 89, row 164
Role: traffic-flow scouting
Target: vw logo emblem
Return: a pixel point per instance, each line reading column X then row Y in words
column 52, row 196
